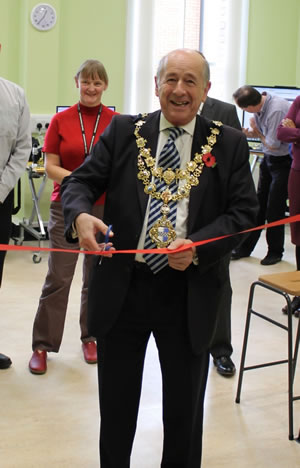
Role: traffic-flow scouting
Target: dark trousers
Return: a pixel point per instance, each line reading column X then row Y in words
column 272, row 196
column 6, row 209
column 221, row 342
column 156, row 304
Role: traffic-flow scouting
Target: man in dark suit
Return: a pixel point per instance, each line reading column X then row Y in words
column 210, row 194
column 214, row 109
column 221, row 347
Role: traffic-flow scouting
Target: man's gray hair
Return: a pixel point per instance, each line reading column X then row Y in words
column 163, row 63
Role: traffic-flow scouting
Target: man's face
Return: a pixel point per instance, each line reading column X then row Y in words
column 252, row 109
column 181, row 87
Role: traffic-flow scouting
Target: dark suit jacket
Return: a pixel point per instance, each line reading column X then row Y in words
column 213, row 109
column 224, row 202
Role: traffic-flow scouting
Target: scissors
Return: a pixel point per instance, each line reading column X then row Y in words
column 106, row 240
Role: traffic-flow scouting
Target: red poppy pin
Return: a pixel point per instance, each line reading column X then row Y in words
column 209, row 160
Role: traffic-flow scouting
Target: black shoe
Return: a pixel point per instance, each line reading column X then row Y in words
column 295, row 306
column 5, row 361
column 271, row 259
column 239, row 253
column 224, row 366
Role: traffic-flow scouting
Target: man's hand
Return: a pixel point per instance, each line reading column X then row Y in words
column 248, row 133
column 87, row 227
column 181, row 260
column 255, row 131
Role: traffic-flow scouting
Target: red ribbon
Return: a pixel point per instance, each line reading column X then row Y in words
column 289, row 220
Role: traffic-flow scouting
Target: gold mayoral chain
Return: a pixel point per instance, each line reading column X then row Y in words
column 191, row 174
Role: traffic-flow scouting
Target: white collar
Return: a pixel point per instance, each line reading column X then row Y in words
column 188, row 128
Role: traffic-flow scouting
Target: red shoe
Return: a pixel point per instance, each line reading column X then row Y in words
column 38, row 362
column 89, row 349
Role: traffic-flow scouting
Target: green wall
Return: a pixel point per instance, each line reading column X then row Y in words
column 44, row 63
column 274, row 43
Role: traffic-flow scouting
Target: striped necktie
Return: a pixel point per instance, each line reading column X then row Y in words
column 168, row 158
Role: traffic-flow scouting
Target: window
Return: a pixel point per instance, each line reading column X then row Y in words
column 218, row 28
column 223, row 41
column 176, row 25
column 153, row 29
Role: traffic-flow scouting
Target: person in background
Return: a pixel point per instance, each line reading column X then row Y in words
column 274, row 170
column 171, row 178
column 214, row 109
column 15, row 149
column 289, row 132
column 221, row 347
column 69, row 139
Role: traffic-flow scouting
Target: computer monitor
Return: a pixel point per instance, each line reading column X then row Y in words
column 62, row 108
column 286, row 92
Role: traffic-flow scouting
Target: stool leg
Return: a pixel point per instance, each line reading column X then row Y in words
column 245, row 342
column 290, row 368
column 296, row 348
column 293, row 370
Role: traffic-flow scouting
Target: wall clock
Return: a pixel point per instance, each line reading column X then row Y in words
column 43, row 16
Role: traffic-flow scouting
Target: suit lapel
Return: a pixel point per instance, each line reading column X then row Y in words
column 149, row 131
column 197, row 201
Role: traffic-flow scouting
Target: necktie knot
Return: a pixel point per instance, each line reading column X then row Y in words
column 175, row 132
column 169, row 156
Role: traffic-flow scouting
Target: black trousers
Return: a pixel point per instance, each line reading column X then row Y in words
column 221, row 343
column 6, row 209
column 272, row 192
column 156, row 304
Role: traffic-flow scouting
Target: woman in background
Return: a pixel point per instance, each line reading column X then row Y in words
column 289, row 131
column 69, row 139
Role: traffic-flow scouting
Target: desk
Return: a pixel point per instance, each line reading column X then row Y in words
column 35, row 228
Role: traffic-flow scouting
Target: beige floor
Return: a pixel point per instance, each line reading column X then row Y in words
column 52, row 420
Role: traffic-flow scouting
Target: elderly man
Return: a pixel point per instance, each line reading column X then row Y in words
column 15, row 148
column 171, row 178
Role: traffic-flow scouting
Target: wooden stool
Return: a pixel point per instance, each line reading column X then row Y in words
column 283, row 284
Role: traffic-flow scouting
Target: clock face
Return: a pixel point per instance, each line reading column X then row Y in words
column 43, row 16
